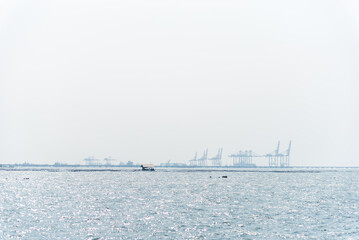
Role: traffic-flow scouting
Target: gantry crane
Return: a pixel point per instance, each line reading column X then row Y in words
column 109, row 160
column 217, row 160
column 193, row 162
column 203, row 160
column 91, row 160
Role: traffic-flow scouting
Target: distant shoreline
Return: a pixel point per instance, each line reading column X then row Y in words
column 137, row 168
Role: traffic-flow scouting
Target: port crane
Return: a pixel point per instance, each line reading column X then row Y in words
column 203, row 160
column 275, row 158
column 91, row 160
column 193, row 161
column 279, row 159
column 244, row 158
column 109, row 160
column 217, row 160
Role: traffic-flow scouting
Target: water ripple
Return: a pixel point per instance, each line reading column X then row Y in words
column 178, row 205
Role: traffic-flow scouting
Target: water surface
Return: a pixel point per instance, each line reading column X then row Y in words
column 179, row 204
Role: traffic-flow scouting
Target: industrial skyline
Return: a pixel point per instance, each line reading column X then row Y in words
column 243, row 158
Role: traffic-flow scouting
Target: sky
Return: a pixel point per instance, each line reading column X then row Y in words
column 152, row 81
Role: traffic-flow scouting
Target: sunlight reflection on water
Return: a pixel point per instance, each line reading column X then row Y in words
column 179, row 205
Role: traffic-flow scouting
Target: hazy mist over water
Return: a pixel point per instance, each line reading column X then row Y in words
column 156, row 81
column 152, row 81
column 179, row 204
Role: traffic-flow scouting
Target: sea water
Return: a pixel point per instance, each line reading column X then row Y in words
column 179, row 204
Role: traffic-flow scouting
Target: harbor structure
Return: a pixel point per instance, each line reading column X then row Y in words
column 279, row 159
column 202, row 162
column 109, row 160
column 275, row 158
column 92, row 161
column 193, row 161
column 170, row 164
column 217, row 160
column 243, row 158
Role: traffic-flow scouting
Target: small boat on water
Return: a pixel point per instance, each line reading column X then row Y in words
column 148, row 167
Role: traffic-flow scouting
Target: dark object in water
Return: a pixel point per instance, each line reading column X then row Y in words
column 224, row 176
column 148, row 167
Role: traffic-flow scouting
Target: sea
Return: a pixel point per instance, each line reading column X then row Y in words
column 116, row 203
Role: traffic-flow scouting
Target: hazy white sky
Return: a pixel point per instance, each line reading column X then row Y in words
column 150, row 81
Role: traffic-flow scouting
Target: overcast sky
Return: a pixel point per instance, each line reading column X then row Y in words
column 151, row 81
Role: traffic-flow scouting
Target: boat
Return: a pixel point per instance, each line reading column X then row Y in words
column 148, row 167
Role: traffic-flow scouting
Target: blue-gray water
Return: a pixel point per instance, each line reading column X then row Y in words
column 179, row 204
